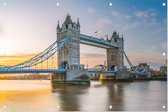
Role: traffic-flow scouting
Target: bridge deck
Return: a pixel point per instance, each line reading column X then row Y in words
column 33, row 71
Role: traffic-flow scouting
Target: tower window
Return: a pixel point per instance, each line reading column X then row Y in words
column 66, row 26
column 115, row 40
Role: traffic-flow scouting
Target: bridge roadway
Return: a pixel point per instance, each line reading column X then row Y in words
column 140, row 73
column 48, row 71
column 32, row 71
column 62, row 71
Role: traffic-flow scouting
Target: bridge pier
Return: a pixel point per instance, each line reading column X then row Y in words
column 123, row 75
column 61, row 79
column 58, row 77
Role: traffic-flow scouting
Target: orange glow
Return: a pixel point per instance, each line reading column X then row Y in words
column 14, row 59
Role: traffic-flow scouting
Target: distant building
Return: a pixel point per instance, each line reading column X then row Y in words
column 163, row 70
column 100, row 67
column 154, row 72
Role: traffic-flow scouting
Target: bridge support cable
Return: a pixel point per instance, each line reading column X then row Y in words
column 52, row 61
column 40, row 58
column 41, row 65
column 128, row 61
column 136, row 70
column 47, row 61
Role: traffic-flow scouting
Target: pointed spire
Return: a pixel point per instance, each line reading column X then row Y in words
column 78, row 24
column 68, row 19
column 58, row 26
column 115, row 32
column 122, row 37
column 106, row 38
column 68, row 15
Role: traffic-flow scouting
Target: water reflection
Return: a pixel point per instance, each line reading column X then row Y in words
column 38, row 96
column 96, row 97
column 68, row 96
column 116, row 96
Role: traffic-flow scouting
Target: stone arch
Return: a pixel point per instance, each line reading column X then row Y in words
column 64, row 65
column 112, row 67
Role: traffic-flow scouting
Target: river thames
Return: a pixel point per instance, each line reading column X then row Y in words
column 38, row 96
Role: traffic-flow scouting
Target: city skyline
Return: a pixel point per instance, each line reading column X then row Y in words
column 24, row 23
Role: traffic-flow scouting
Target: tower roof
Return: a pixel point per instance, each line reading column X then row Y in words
column 115, row 35
column 68, row 20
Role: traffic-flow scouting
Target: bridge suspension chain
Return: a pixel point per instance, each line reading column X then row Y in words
column 131, row 65
column 128, row 60
column 41, row 57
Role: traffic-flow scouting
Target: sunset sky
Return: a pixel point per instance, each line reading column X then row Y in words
column 27, row 27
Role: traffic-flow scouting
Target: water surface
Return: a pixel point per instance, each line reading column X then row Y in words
column 39, row 96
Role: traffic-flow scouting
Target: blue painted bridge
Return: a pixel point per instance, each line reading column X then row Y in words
column 49, row 71
column 26, row 66
column 14, row 71
column 33, row 71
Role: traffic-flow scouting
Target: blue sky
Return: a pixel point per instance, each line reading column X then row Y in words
column 29, row 26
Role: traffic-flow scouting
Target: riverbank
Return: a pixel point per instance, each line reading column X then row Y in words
column 133, row 80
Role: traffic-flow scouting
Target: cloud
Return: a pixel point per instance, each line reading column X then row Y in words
column 147, row 18
column 145, row 14
column 153, row 14
column 99, row 26
column 14, row 59
column 91, row 10
column 103, row 22
column 158, row 31
column 135, row 24
column 154, row 61
column 140, row 14
column 157, row 49
column 115, row 13
column 151, row 22
column 120, row 15
column 128, row 17
column 130, row 26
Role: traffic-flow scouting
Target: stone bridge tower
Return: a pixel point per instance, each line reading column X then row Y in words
column 69, row 55
column 115, row 56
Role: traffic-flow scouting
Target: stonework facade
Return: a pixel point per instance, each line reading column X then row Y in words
column 115, row 57
column 69, row 55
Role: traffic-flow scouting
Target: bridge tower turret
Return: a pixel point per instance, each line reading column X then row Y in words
column 69, row 55
column 115, row 56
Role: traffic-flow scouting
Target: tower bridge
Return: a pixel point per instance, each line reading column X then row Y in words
column 67, row 48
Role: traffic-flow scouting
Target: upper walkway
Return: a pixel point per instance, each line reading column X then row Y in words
column 93, row 41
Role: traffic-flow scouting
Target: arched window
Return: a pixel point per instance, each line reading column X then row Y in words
column 115, row 39
column 66, row 26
